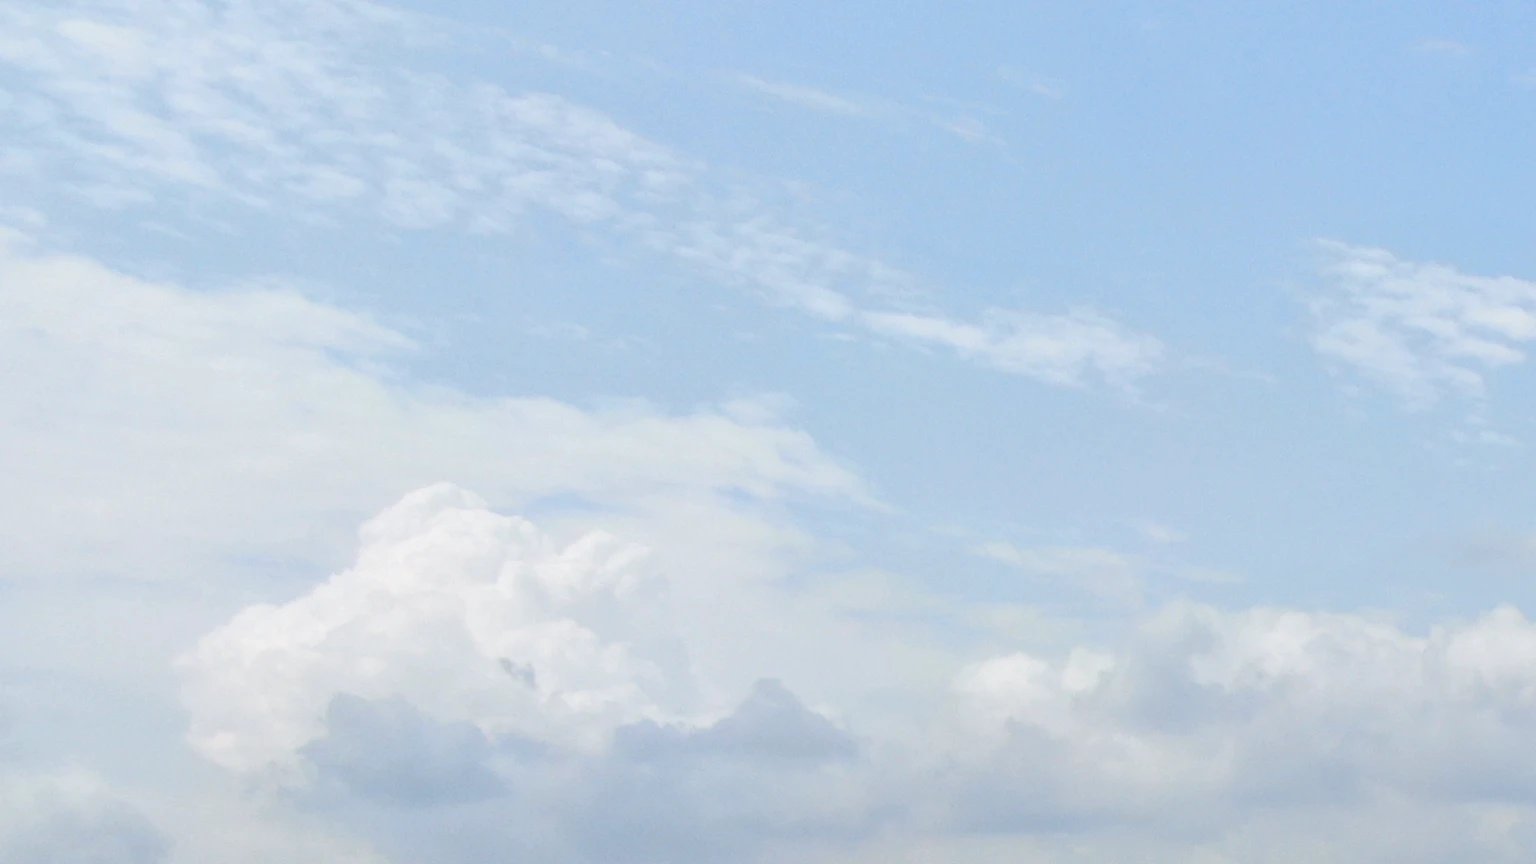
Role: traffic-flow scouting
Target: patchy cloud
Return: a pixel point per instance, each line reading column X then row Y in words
column 1421, row 331
column 315, row 106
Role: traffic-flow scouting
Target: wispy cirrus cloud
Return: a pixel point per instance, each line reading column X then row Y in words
column 805, row 97
column 1031, row 82
column 1059, row 349
column 1201, row 731
column 1104, row 572
column 1422, row 331
column 322, row 108
column 1444, row 48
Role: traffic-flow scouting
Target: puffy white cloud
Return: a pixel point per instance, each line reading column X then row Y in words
column 1420, row 330
column 470, row 683
column 468, row 615
column 1207, row 716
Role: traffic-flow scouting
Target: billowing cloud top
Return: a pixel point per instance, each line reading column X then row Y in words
column 466, row 658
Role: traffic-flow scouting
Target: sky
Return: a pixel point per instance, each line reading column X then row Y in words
column 609, row 433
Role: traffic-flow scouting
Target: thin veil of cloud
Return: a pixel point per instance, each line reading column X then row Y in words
column 316, row 107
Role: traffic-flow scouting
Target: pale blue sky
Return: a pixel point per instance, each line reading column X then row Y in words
column 906, row 339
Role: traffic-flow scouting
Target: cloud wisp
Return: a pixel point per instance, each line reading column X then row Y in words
column 1423, row 332
column 805, row 97
column 321, row 108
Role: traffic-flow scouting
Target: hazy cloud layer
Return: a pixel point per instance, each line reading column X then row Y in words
column 150, row 430
column 73, row 818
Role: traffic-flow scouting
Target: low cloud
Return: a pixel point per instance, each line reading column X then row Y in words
column 1198, row 729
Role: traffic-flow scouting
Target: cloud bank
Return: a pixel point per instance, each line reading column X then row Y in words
column 465, row 665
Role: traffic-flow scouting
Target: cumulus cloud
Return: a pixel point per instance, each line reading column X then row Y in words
column 770, row 772
column 389, row 750
column 484, row 686
column 1205, row 718
column 471, row 616
column 1421, row 331
column 319, row 105
column 491, row 689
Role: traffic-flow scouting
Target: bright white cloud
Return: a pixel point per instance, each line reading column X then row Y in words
column 315, row 105
column 1268, row 707
column 1202, row 732
column 1422, row 331
column 468, row 615
column 152, row 431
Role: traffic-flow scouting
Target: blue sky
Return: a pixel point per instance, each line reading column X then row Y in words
column 693, row 432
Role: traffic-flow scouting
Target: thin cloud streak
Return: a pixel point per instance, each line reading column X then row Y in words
column 805, row 97
column 315, row 108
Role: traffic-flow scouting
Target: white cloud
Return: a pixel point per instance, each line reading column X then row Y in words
column 1101, row 571
column 313, row 106
column 1060, row 349
column 151, row 431
column 468, row 615
column 1267, row 707
column 805, row 97
column 1202, row 733
column 1422, row 331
